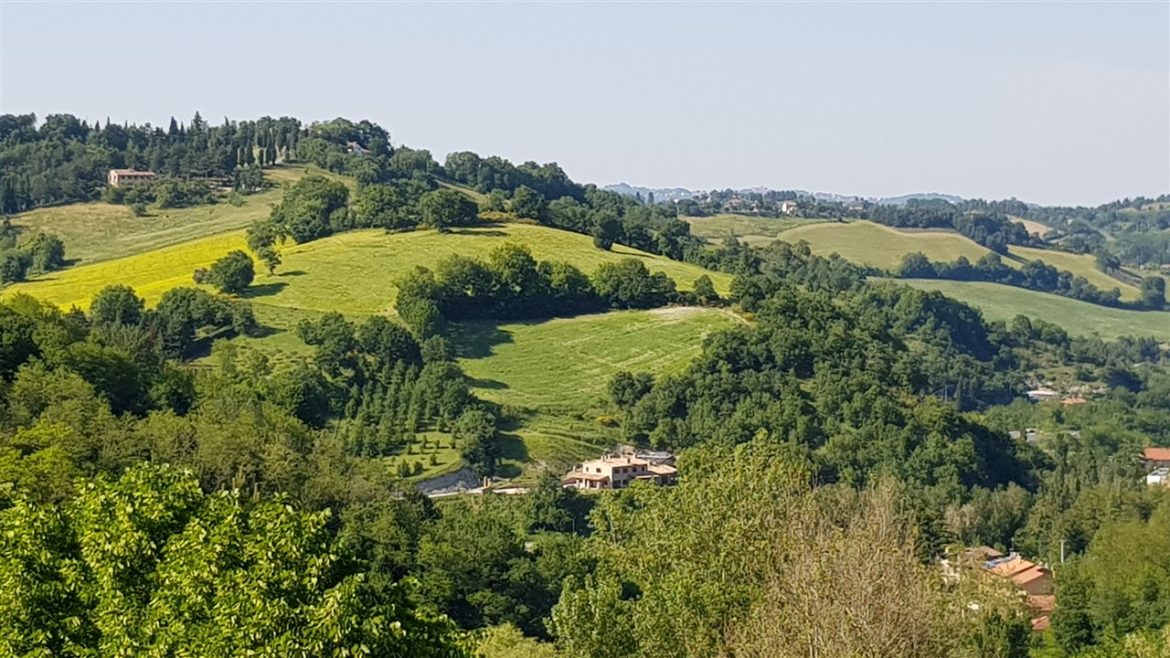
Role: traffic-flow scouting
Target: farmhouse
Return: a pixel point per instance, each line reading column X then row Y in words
column 617, row 472
column 1156, row 457
column 120, row 177
column 788, row 207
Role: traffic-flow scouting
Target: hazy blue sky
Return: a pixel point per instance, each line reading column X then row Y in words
column 1053, row 103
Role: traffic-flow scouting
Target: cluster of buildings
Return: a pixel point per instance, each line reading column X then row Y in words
column 617, row 471
column 1033, row 581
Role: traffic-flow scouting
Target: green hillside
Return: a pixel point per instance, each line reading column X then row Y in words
column 745, row 228
column 876, row 245
column 150, row 273
column 510, row 362
column 1000, row 302
column 352, row 272
column 1084, row 265
column 556, row 371
column 881, row 246
column 98, row 231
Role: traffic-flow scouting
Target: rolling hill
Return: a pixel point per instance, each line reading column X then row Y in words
column 1000, row 302
column 876, row 245
column 95, row 232
column 747, row 229
column 564, row 405
column 881, row 246
column 352, row 272
column 509, row 362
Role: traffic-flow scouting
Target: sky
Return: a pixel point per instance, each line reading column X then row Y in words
column 1053, row 103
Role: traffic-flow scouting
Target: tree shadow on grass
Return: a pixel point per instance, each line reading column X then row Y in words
column 264, row 331
column 1015, row 258
column 264, row 290
column 512, row 449
column 293, row 273
column 475, row 340
column 489, row 232
column 490, row 384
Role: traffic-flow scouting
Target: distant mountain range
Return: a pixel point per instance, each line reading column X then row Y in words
column 679, row 193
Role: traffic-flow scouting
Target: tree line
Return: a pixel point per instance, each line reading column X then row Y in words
column 1033, row 275
column 512, row 285
column 66, row 159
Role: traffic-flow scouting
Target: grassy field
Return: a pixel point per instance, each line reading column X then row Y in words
column 875, row 245
column 881, row 246
column 151, row 273
column 1036, row 228
column 97, row 231
column 999, row 302
column 558, row 370
column 512, row 362
column 747, row 229
column 1084, row 265
column 352, row 273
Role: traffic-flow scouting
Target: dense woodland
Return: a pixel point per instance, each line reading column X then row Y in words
column 848, row 432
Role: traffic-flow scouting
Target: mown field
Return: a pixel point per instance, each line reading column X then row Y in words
column 881, row 246
column 745, row 228
column 150, row 273
column 565, row 364
column 1034, row 227
column 876, row 245
column 999, row 302
column 556, row 371
column 94, row 232
column 1080, row 264
column 353, row 273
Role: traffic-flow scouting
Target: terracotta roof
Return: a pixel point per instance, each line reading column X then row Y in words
column 662, row 469
column 1029, row 575
column 611, row 460
column 578, row 475
column 1042, row 602
column 1068, row 402
column 1011, row 566
column 1157, row 454
column 1040, row 624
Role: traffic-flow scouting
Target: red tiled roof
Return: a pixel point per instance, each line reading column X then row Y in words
column 1009, row 568
column 1042, row 602
column 1040, row 624
column 577, row 475
column 1157, row 454
column 1029, row 575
